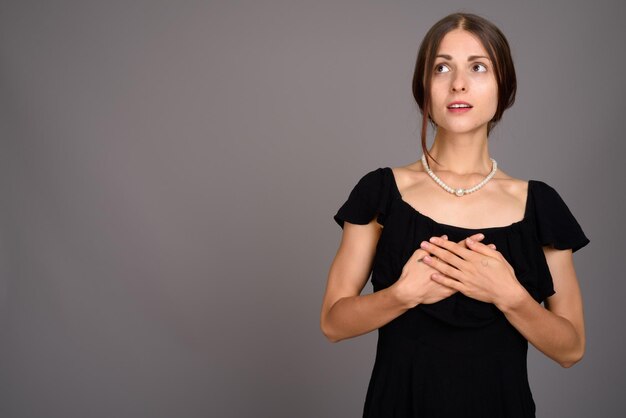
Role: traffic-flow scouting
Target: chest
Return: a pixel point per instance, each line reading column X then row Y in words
column 483, row 209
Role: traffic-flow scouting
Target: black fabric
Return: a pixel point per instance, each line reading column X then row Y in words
column 458, row 357
column 370, row 196
column 557, row 226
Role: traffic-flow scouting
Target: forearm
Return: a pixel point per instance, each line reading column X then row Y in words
column 356, row 315
column 551, row 334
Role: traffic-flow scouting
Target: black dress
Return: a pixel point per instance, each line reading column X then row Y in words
column 459, row 357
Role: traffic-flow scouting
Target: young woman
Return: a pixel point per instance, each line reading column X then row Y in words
column 461, row 253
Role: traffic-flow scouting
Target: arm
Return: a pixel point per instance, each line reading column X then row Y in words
column 345, row 313
column 559, row 330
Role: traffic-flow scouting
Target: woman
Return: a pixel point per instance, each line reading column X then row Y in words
column 461, row 254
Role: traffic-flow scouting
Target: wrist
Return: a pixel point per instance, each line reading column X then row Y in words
column 401, row 297
column 516, row 298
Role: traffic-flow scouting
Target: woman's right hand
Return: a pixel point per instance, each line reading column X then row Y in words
column 415, row 285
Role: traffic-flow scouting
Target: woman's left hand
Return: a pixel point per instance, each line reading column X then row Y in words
column 478, row 271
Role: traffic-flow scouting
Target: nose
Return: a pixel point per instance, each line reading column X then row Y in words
column 459, row 83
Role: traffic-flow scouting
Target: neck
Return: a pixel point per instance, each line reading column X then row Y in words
column 460, row 154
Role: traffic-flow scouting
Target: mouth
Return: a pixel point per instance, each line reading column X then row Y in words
column 459, row 107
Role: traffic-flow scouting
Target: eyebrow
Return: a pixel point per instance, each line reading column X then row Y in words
column 470, row 58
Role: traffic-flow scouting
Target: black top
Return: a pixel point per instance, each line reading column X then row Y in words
column 459, row 357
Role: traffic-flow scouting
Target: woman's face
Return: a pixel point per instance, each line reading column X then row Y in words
column 463, row 72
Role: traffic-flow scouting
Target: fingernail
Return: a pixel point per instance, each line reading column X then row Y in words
column 444, row 236
column 481, row 236
column 426, row 258
column 470, row 241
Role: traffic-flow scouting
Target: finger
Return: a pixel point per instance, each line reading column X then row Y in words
column 451, row 283
column 421, row 252
column 461, row 252
column 477, row 237
column 482, row 248
column 443, row 266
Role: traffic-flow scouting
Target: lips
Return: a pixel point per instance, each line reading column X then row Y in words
column 459, row 105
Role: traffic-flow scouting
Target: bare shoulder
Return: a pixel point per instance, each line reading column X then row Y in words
column 515, row 187
column 409, row 175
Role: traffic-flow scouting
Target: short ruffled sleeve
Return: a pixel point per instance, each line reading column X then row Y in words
column 556, row 224
column 368, row 198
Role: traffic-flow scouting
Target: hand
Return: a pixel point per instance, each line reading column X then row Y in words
column 415, row 285
column 474, row 269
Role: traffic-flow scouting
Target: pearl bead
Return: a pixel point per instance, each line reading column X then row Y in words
column 460, row 191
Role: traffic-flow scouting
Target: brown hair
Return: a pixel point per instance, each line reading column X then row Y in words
column 494, row 42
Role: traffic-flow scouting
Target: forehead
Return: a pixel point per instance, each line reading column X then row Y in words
column 460, row 43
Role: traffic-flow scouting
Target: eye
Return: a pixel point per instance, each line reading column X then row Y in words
column 441, row 68
column 480, row 65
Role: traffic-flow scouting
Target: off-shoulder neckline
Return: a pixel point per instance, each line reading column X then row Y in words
column 460, row 228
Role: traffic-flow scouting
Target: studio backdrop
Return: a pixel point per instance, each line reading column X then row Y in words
column 169, row 171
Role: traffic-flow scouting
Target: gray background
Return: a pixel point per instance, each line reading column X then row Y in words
column 169, row 172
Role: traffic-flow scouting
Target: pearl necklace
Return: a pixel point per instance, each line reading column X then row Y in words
column 460, row 192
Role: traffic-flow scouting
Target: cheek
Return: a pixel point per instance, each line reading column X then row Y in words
column 494, row 94
column 435, row 100
column 490, row 95
column 494, row 101
column 437, row 96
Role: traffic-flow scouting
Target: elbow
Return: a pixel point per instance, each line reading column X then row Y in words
column 572, row 360
column 329, row 332
column 568, row 364
column 330, row 336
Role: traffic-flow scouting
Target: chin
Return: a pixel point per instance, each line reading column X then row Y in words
column 462, row 128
